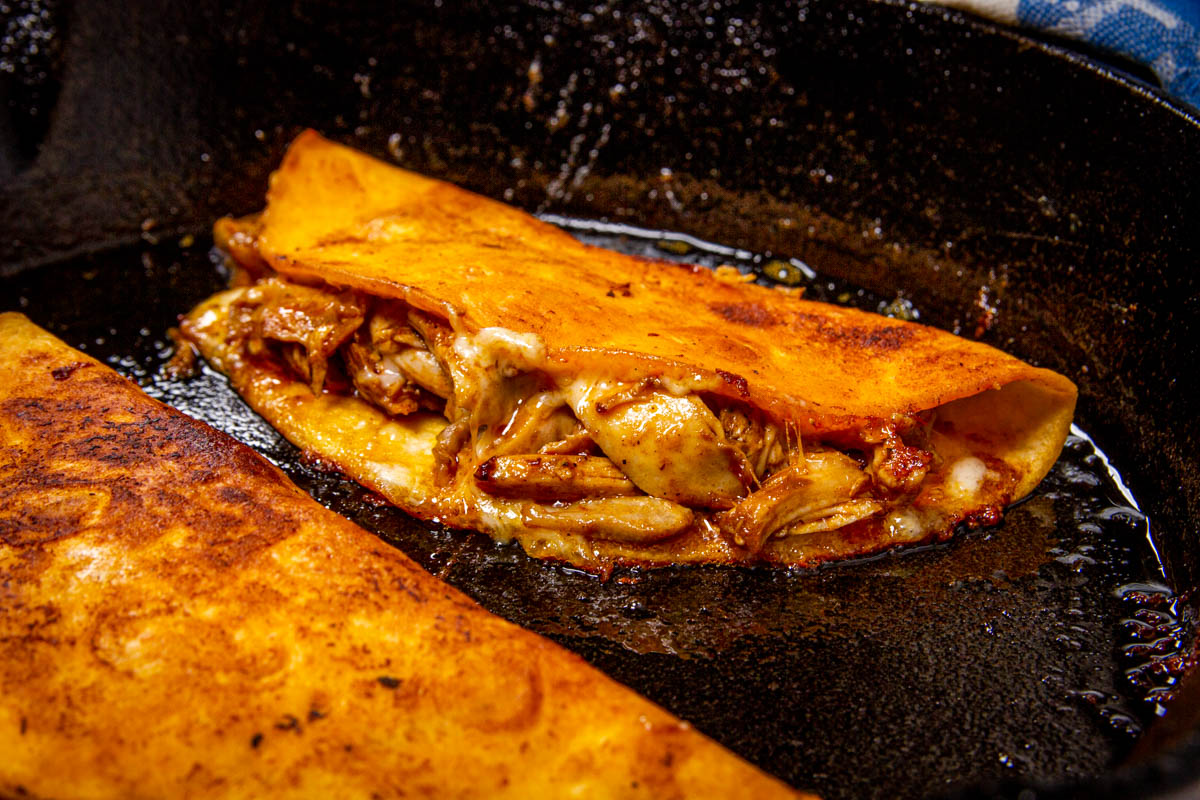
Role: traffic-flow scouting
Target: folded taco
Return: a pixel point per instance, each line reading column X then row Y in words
column 479, row 367
column 179, row 620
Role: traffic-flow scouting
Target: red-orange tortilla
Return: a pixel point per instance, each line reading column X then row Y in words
column 959, row 428
column 180, row 621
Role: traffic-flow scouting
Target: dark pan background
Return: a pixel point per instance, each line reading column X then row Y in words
column 883, row 144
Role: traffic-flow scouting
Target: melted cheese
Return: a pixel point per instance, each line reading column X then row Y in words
column 966, row 476
column 501, row 348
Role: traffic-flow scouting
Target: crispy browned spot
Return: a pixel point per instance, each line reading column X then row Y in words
column 889, row 337
column 111, row 462
column 750, row 314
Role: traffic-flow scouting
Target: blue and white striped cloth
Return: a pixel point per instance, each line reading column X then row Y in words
column 1162, row 34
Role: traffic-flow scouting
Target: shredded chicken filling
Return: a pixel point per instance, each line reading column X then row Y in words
column 627, row 461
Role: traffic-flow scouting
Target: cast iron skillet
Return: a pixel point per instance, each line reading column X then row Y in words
column 893, row 147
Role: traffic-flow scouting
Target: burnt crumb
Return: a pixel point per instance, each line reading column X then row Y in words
column 314, row 715
column 65, row 372
column 736, row 382
column 388, row 682
column 183, row 362
column 288, row 722
column 985, row 517
column 485, row 471
column 621, row 289
column 24, row 725
column 256, row 740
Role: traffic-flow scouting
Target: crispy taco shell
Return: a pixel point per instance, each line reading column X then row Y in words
column 867, row 431
column 179, row 620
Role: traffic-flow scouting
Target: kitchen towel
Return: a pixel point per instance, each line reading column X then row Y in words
column 1162, row 34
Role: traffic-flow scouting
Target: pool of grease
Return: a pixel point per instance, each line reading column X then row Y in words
column 1036, row 650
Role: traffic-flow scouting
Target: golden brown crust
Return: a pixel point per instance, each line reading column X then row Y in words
column 340, row 216
column 179, row 620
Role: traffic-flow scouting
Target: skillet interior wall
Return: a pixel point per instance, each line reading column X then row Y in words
column 823, row 131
